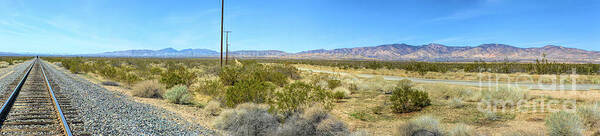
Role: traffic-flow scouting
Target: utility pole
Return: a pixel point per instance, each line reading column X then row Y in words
column 227, row 46
column 222, row 11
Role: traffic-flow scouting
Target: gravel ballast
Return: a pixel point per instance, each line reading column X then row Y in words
column 8, row 79
column 106, row 112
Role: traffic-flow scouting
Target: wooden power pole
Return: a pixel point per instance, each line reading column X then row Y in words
column 222, row 11
column 227, row 46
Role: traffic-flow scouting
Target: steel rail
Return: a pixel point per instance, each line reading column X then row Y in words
column 64, row 123
column 11, row 100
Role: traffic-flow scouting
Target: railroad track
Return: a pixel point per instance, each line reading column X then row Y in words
column 34, row 108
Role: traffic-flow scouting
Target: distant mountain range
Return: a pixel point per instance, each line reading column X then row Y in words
column 429, row 52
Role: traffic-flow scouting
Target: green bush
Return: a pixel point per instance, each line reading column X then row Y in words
column 250, row 90
column 333, row 83
column 129, row 77
column 212, row 88
column 564, row 124
column 287, row 70
column 407, row 99
column 298, row 94
column 107, row 71
column 177, row 75
column 178, row 95
column 247, row 120
column 339, row 95
column 420, row 126
column 231, row 75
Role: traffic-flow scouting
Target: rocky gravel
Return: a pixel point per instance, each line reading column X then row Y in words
column 8, row 79
column 106, row 112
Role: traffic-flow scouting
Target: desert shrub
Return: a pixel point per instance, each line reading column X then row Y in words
column 333, row 83
column 148, row 89
column 314, row 121
column 247, row 120
column 110, row 83
column 128, row 77
column 564, row 124
column 213, row 107
column 406, row 99
column 250, row 90
column 155, row 71
column 590, row 114
column 287, row 70
column 462, row 130
column 178, row 94
column 298, row 94
column 212, row 88
column 268, row 73
column 177, row 75
column 341, row 93
column 231, row 75
column 107, row 71
column 422, row 125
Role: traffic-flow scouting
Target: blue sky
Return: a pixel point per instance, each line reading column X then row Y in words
column 92, row 26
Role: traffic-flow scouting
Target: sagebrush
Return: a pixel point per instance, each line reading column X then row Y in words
column 179, row 95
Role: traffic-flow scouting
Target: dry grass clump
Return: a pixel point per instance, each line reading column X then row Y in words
column 178, row 95
column 462, row 130
column 341, row 93
column 148, row 89
column 590, row 114
column 445, row 92
column 314, row 121
column 247, row 120
column 422, row 125
column 456, row 103
column 506, row 94
column 377, row 83
column 213, row 107
column 564, row 124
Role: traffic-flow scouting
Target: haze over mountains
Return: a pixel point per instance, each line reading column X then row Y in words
column 429, row 52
